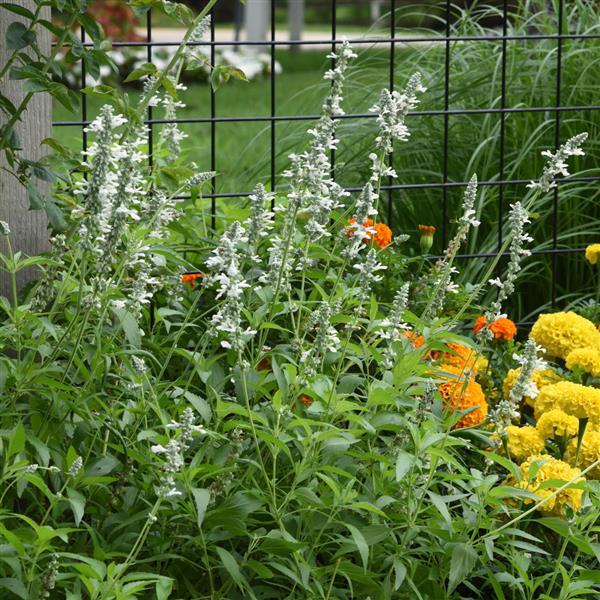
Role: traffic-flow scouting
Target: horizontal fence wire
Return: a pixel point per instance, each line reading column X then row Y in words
column 394, row 42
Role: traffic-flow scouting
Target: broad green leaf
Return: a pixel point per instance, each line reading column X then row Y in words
column 361, row 544
column 18, row 36
column 230, row 565
column 404, row 463
column 201, row 498
column 142, row 71
column 464, row 558
column 77, row 502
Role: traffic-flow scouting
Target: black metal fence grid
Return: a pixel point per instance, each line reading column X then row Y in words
column 391, row 40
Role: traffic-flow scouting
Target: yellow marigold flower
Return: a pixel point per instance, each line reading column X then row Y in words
column 557, row 423
column 560, row 333
column 523, row 442
column 577, row 400
column 592, row 253
column 461, row 393
column 589, row 453
column 551, row 468
column 481, row 363
column 541, row 379
column 587, row 359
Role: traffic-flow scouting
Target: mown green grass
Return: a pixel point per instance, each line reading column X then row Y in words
column 244, row 149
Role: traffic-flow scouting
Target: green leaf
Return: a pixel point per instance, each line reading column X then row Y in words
column 404, row 463
column 130, row 326
column 230, row 565
column 16, row 443
column 100, row 91
column 77, row 502
column 464, row 558
column 141, row 71
column 15, row 586
column 36, row 199
column 92, row 27
column 361, row 544
column 400, row 572
column 102, row 466
column 201, row 498
column 223, row 73
column 18, row 36
column 18, row 10
column 55, row 216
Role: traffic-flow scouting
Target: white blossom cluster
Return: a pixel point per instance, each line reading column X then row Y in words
column 171, row 136
column 197, row 34
column 367, row 271
column 225, row 267
column 173, row 452
column 326, row 339
column 507, row 410
column 391, row 110
column 557, row 162
column 97, row 191
column 517, row 220
column 313, row 191
column 445, row 269
column 360, row 228
column 260, row 221
column 394, row 326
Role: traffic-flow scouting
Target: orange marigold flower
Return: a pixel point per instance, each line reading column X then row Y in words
column 426, row 232
column 306, row 400
column 502, row 328
column 416, row 340
column 426, row 229
column 190, row 278
column 460, row 356
column 460, row 393
column 382, row 236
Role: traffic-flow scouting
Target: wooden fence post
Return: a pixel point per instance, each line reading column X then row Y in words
column 29, row 232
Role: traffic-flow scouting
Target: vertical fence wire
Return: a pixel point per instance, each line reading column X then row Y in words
column 84, row 106
column 213, row 129
column 559, row 48
column 273, row 102
column 501, row 168
column 392, row 73
column 150, row 111
column 446, row 126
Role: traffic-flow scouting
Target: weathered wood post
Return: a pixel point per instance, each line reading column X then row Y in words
column 29, row 232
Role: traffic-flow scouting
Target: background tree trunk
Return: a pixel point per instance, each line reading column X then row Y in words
column 29, row 232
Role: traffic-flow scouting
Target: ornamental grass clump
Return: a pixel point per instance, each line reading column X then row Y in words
column 262, row 410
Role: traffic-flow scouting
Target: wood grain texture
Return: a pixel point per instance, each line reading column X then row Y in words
column 29, row 233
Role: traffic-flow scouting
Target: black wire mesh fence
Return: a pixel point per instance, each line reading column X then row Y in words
column 391, row 44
